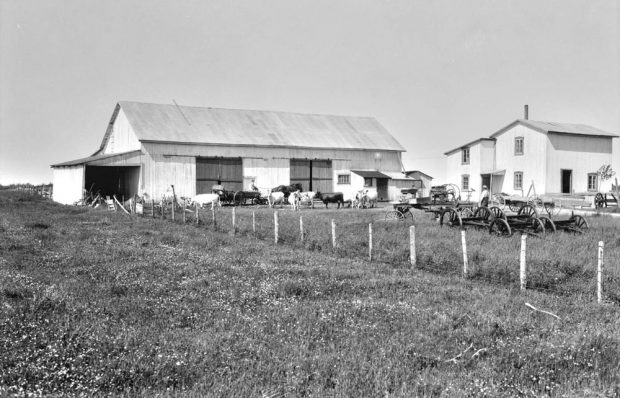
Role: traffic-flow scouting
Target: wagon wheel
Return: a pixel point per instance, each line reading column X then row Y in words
column 536, row 203
column 552, row 208
column 466, row 212
column 498, row 200
column 393, row 215
column 581, row 224
column 538, row 227
column 497, row 212
column 482, row 212
column 599, row 200
column 454, row 218
column 515, row 206
column 500, row 227
column 407, row 215
column 548, row 223
column 528, row 210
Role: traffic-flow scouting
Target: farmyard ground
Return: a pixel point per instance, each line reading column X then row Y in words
column 97, row 303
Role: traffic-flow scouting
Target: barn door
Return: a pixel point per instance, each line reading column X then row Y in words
column 322, row 177
column 300, row 173
column 212, row 171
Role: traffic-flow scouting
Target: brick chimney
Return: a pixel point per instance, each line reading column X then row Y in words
column 525, row 112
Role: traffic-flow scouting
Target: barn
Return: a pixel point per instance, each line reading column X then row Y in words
column 529, row 156
column 149, row 147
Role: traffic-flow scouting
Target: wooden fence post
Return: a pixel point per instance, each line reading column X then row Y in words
column 213, row 214
column 301, row 228
column 370, row 242
column 465, row 262
column 522, row 263
column 254, row 222
column 172, row 208
column 153, row 208
column 234, row 226
column 197, row 214
column 599, row 272
column 412, row 252
column 183, row 210
column 163, row 208
column 275, row 227
column 333, row 233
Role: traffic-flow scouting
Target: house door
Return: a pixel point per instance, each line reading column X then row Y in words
column 486, row 180
column 382, row 188
column 567, row 181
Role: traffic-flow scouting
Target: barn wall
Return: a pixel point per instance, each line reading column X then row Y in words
column 162, row 171
column 343, row 167
column 581, row 154
column 268, row 173
column 360, row 159
column 68, row 184
column 130, row 159
column 122, row 137
column 533, row 162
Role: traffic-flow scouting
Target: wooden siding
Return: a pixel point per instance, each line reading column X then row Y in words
column 581, row 154
column 162, row 171
column 267, row 173
column 455, row 169
column 68, row 184
column 122, row 137
column 360, row 159
column 130, row 159
column 533, row 162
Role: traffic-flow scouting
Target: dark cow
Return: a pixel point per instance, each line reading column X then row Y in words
column 287, row 189
column 333, row 197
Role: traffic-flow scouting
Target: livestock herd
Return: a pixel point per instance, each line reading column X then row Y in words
column 291, row 195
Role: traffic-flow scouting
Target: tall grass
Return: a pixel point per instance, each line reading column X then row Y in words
column 97, row 303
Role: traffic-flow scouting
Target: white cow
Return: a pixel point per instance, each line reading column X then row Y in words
column 275, row 198
column 307, row 198
column 367, row 198
column 295, row 200
column 349, row 198
column 204, row 199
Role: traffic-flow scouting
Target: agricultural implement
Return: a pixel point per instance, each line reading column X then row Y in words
column 431, row 204
column 575, row 224
column 605, row 200
column 527, row 220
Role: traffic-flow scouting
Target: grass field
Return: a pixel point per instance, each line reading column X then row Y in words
column 99, row 303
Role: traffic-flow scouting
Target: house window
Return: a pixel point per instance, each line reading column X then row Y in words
column 344, row 179
column 465, row 156
column 592, row 182
column 518, row 181
column 368, row 181
column 465, row 182
column 519, row 146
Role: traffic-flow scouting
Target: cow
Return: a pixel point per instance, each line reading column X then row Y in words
column 349, row 198
column 367, row 198
column 275, row 198
column 287, row 189
column 307, row 198
column 294, row 199
column 204, row 199
column 333, row 197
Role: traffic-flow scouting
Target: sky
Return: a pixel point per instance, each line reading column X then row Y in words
column 436, row 73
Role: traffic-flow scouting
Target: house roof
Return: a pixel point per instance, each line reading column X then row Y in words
column 94, row 158
column 469, row 144
column 198, row 125
column 370, row 173
column 407, row 172
column 554, row 127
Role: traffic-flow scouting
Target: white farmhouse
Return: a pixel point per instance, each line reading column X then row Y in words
column 530, row 156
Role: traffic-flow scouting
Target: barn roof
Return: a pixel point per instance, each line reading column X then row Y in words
column 95, row 158
column 554, row 127
column 198, row 125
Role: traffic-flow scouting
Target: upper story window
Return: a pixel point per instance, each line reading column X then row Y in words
column 592, row 182
column 465, row 182
column 465, row 156
column 368, row 181
column 518, row 180
column 518, row 145
column 344, row 179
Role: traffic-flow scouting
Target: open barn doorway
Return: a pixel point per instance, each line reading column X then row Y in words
column 121, row 181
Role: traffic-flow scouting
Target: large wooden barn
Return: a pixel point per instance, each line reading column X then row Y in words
column 527, row 155
column 149, row 147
